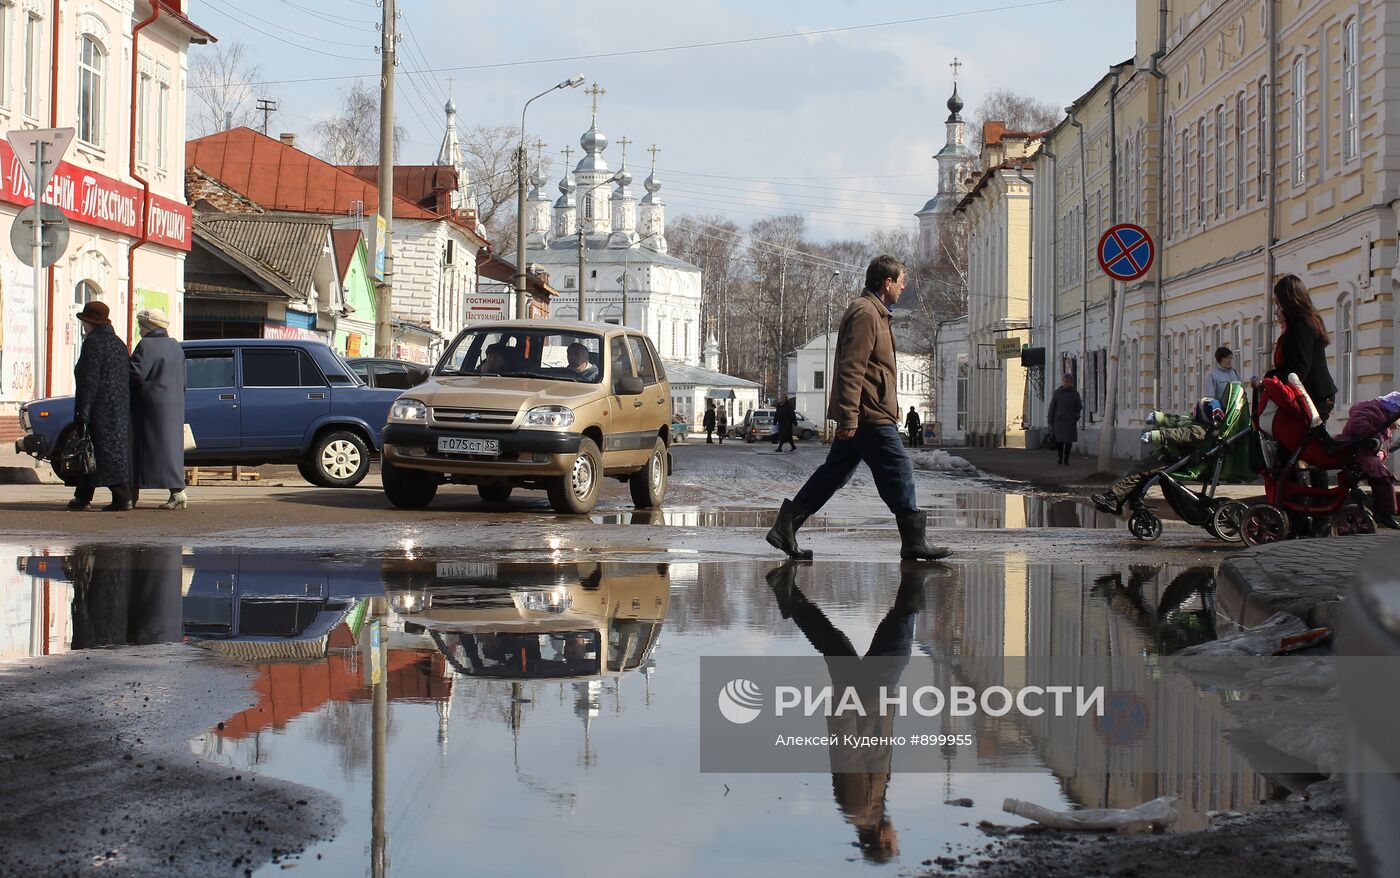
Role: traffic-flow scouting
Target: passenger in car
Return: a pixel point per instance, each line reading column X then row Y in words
column 579, row 362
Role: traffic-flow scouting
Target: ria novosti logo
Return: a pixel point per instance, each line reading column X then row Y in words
column 740, row 701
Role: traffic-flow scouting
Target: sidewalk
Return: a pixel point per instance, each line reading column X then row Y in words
column 1037, row 467
column 1308, row 578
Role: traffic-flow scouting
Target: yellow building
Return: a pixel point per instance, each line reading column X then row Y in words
column 997, row 211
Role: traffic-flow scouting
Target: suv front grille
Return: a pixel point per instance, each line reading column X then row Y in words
column 464, row 417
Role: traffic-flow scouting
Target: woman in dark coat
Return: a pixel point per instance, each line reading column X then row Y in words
column 1302, row 347
column 103, row 404
column 158, row 408
column 1065, row 406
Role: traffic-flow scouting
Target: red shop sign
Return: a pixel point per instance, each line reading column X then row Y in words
column 95, row 200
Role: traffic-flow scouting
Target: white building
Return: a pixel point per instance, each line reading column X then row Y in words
column 951, row 392
column 99, row 187
column 812, row 365
column 625, row 251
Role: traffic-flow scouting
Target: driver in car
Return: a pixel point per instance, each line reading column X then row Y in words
column 497, row 355
column 578, row 362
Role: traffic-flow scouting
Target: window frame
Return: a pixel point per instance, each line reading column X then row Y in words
column 1201, row 171
column 162, row 125
column 1219, row 161
column 302, row 358
column 1351, row 92
column 1262, row 135
column 31, row 82
column 192, row 355
column 1299, row 134
column 144, row 81
column 91, row 91
column 6, row 52
column 1241, row 148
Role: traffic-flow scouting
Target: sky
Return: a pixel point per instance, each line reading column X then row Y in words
column 839, row 126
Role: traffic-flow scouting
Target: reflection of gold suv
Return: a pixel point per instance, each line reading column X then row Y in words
column 534, row 404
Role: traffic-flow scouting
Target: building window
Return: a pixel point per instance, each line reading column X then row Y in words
column 1219, row 162
column 143, row 113
column 961, row 393
column 33, row 57
column 1346, row 352
column 91, row 65
column 1168, row 165
column 1300, row 122
column 1201, row 171
column 1261, row 146
column 819, row 380
column 1351, row 101
column 4, row 53
column 1240, row 161
column 1184, row 215
column 162, row 125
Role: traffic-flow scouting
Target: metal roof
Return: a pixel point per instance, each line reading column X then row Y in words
column 290, row 248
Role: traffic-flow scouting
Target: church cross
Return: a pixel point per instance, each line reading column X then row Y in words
column 956, row 65
column 595, row 91
column 624, row 143
column 539, row 146
column 450, row 80
column 567, row 151
column 654, row 150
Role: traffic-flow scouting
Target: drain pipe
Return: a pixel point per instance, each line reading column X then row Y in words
column 1030, row 279
column 1083, row 272
column 1162, row 173
column 1117, row 294
column 144, row 236
column 1266, row 344
column 1049, row 180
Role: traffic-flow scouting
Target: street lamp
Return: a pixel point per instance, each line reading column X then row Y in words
column 582, row 238
column 522, row 293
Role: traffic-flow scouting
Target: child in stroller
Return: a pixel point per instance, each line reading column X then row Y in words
column 1292, row 437
column 1204, row 446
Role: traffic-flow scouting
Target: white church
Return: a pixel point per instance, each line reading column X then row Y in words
column 626, row 266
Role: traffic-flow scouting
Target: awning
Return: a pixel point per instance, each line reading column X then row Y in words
column 720, row 394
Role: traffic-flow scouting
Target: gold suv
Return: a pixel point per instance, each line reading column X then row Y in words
column 534, row 404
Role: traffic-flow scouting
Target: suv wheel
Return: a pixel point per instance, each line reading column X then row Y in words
column 339, row 459
column 495, row 492
column 648, row 484
column 406, row 488
column 576, row 492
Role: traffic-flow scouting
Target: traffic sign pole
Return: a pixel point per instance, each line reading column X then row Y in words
column 41, row 289
column 1125, row 252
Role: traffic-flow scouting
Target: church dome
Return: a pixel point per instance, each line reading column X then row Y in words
column 955, row 105
column 652, row 184
column 624, row 178
column 593, row 140
column 567, row 185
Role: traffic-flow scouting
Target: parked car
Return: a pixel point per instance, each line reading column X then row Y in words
column 504, row 409
column 680, row 430
column 252, row 402
column 383, row 372
column 758, row 424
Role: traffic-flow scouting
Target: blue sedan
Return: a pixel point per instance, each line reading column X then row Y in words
column 255, row 401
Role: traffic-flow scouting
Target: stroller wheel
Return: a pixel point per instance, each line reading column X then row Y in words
column 1263, row 524
column 1352, row 519
column 1228, row 520
column 1145, row 525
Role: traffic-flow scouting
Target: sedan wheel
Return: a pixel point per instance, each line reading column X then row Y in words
column 340, row 460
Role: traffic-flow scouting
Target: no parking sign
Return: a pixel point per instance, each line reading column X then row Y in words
column 1126, row 252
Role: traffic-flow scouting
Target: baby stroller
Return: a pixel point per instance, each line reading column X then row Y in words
column 1222, row 457
column 1285, row 418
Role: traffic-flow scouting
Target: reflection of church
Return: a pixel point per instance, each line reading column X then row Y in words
column 626, row 262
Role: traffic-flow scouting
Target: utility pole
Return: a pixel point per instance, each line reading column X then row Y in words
column 267, row 108
column 782, row 324
column 384, row 292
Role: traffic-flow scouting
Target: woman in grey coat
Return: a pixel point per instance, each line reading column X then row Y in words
column 158, row 408
column 102, row 405
column 1065, row 406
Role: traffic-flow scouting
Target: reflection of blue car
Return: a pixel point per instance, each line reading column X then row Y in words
column 255, row 401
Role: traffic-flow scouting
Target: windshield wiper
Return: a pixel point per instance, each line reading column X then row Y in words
column 525, row 373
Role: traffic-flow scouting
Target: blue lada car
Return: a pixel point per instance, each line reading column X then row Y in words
column 251, row 402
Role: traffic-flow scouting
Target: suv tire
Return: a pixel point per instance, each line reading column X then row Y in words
column 406, row 488
column 494, row 492
column 576, row 492
column 648, row 484
column 339, row 459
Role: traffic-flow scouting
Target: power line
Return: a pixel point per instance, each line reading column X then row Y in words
column 333, row 19
column 682, row 47
column 273, row 36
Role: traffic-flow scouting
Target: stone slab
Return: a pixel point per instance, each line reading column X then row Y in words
column 1308, row 578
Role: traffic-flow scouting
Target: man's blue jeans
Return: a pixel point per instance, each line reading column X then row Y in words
column 882, row 449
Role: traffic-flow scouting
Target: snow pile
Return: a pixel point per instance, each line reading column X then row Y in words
column 937, row 459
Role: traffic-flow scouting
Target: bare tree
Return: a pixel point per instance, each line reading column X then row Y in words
column 351, row 137
column 1018, row 111
column 222, row 84
column 489, row 151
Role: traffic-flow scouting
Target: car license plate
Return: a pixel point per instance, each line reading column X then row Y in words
column 466, row 570
column 460, row 445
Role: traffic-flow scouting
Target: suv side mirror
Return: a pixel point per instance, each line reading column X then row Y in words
column 629, row 385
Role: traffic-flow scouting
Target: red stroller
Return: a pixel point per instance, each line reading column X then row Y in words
column 1291, row 434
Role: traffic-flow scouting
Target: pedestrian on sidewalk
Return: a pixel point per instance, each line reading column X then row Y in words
column 1065, row 408
column 915, row 425
column 1301, row 349
column 1223, row 375
column 721, row 422
column 865, row 407
column 102, row 406
column 709, row 423
column 158, row 409
column 786, row 417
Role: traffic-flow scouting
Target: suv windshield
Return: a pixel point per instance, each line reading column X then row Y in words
column 526, row 352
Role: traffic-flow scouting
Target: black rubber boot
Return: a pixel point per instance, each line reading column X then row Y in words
column 783, row 534
column 783, row 581
column 914, row 541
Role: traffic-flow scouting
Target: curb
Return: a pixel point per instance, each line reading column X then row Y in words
column 1306, row 578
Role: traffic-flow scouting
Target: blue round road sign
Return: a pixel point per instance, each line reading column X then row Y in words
column 1126, row 252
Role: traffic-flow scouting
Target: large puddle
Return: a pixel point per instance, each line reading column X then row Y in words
column 538, row 718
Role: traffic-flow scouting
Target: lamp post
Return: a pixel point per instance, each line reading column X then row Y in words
column 583, row 240
column 522, row 292
column 622, row 278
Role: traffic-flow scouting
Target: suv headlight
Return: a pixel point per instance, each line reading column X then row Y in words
column 556, row 601
column 549, row 416
column 407, row 602
column 408, row 410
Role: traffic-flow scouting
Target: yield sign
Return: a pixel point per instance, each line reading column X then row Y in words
column 27, row 144
column 1126, row 252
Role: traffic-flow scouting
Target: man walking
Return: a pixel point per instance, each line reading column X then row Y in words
column 915, row 425
column 865, row 407
column 709, row 423
column 786, row 417
column 721, row 422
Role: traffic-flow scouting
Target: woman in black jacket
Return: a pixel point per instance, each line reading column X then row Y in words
column 1302, row 346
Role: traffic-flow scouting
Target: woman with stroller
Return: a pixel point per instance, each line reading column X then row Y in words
column 1374, row 418
column 1301, row 349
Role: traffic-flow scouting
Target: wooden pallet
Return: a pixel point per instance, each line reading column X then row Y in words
column 220, row 474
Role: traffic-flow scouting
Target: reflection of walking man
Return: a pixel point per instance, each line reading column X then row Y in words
column 860, row 776
column 865, row 406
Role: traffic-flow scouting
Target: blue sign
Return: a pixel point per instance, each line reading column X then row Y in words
column 1126, row 252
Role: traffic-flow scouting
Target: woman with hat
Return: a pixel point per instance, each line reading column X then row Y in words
column 103, row 406
column 158, row 408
